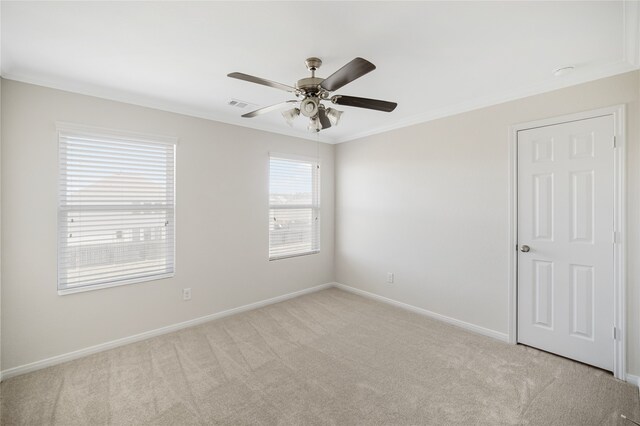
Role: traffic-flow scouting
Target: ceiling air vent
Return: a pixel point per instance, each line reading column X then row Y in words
column 239, row 104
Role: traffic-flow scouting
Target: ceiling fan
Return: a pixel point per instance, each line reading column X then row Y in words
column 313, row 90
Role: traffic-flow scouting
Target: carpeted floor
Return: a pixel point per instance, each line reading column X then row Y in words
column 326, row 358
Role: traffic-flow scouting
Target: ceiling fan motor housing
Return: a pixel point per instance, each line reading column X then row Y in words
column 309, row 85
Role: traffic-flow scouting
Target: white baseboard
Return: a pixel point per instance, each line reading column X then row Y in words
column 504, row 337
column 462, row 324
column 59, row 359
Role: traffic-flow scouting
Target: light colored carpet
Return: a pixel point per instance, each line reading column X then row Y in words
column 326, row 358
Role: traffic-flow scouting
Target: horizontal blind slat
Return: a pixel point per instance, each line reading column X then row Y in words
column 71, row 256
column 111, row 152
column 120, row 144
column 115, row 280
column 98, row 239
column 117, row 272
column 125, row 270
column 83, row 226
column 102, row 157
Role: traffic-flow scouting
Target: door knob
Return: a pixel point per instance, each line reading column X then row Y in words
column 525, row 249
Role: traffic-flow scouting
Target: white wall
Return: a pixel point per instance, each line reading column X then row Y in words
column 222, row 219
column 430, row 204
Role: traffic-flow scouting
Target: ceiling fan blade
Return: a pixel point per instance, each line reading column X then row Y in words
column 353, row 101
column 353, row 70
column 324, row 120
column 267, row 109
column 258, row 80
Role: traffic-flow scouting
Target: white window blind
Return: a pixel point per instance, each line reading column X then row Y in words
column 115, row 212
column 294, row 206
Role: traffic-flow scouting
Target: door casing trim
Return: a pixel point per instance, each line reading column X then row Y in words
column 620, row 204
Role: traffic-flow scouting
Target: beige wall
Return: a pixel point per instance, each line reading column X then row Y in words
column 222, row 217
column 430, row 204
column 0, row 226
column 436, row 195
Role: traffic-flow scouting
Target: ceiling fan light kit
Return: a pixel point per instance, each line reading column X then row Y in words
column 334, row 115
column 314, row 125
column 290, row 115
column 309, row 106
column 313, row 90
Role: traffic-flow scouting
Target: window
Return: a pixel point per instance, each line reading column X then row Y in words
column 294, row 206
column 115, row 209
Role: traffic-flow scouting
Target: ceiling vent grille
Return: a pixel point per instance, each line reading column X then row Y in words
column 239, row 104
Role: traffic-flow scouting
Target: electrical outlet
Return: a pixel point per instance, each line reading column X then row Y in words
column 390, row 277
column 186, row 294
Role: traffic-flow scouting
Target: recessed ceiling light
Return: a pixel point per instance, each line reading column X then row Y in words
column 563, row 70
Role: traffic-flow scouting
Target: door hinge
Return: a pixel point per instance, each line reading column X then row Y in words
column 614, row 141
column 614, row 237
column 615, row 333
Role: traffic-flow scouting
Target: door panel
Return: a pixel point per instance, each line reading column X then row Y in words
column 543, row 207
column 582, row 309
column 582, row 206
column 565, row 216
column 543, row 293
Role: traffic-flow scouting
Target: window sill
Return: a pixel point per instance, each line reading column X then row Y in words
column 306, row 253
column 82, row 289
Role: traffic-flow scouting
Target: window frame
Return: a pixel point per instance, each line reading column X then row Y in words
column 315, row 206
column 65, row 128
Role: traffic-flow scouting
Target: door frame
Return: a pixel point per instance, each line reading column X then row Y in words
column 619, row 251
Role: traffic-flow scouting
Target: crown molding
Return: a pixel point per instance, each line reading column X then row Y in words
column 163, row 105
column 549, row 86
column 608, row 70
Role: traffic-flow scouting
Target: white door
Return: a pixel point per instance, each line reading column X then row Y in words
column 565, row 239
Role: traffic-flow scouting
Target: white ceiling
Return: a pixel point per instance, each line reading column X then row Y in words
column 433, row 58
